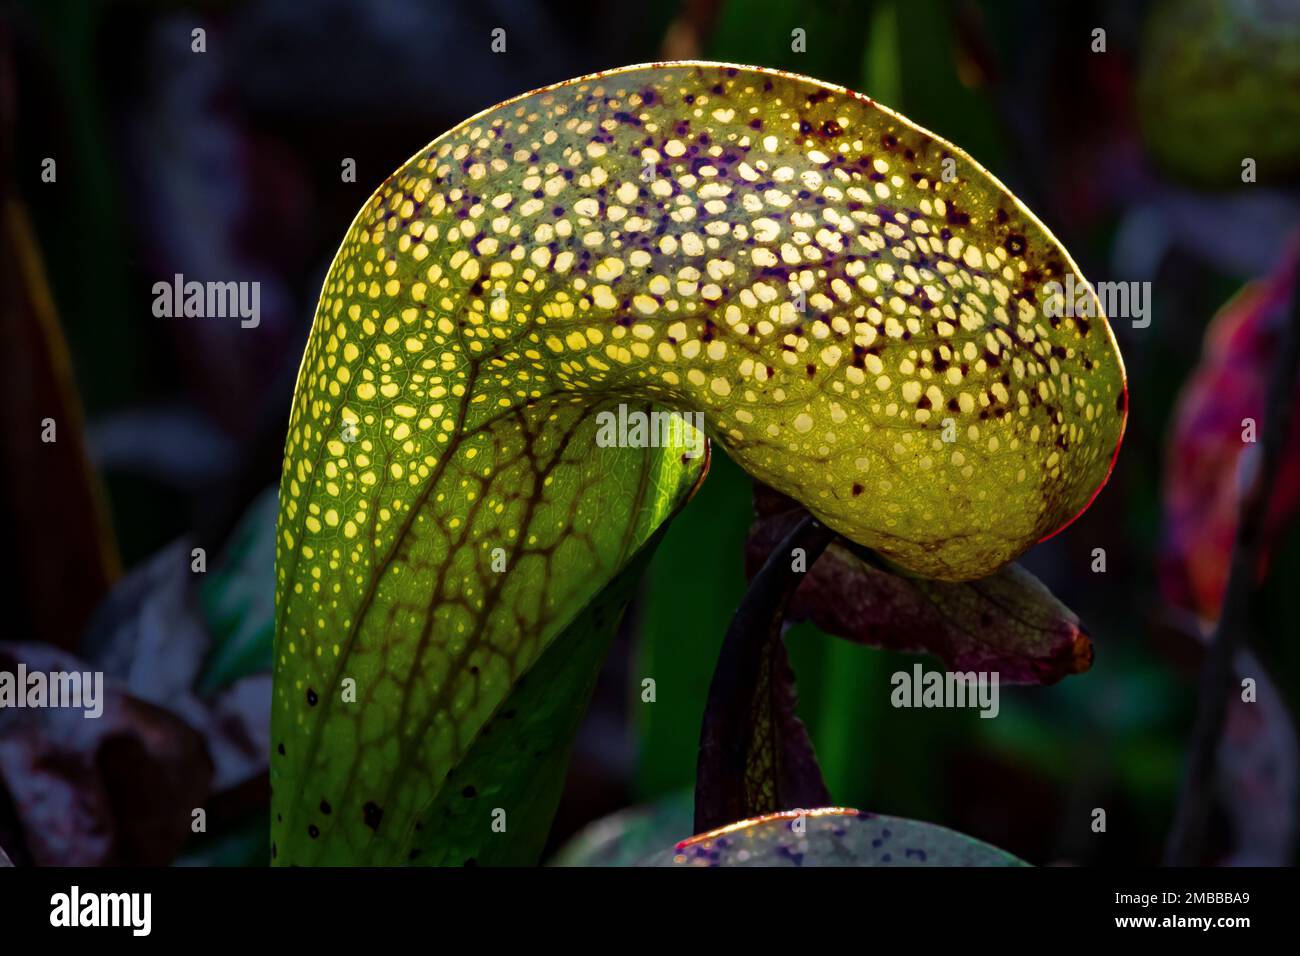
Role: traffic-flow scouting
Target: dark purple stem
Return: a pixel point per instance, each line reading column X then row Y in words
column 751, row 664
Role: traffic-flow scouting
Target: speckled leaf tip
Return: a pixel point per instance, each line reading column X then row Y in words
column 832, row 837
column 647, row 235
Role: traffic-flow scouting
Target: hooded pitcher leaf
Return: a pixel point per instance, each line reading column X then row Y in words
column 863, row 317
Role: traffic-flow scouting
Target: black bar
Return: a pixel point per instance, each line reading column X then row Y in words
column 258, row 906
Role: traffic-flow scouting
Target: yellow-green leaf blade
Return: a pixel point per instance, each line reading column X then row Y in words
column 442, row 637
column 826, row 285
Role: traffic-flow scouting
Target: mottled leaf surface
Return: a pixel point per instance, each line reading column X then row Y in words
column 520, row 756
column 452, row 638
column 833, row 837
column 644, row 235
column 1008, row 622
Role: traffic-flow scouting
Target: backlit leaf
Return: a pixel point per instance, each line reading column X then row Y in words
column 833, row 290
column 833, row 837
column 520, row 756
column 434, row 680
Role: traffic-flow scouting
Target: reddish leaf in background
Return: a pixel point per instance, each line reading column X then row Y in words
column 1208, row 461
column 1007, row 622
